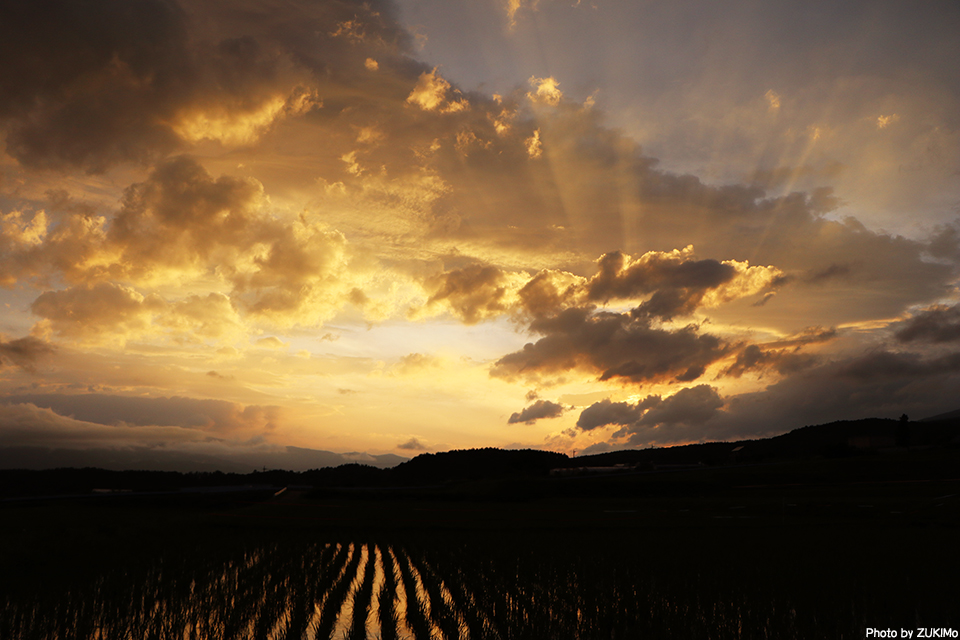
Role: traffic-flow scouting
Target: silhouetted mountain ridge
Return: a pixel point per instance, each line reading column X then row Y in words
column 834, row 439
column 453, row 468
column 473, row 464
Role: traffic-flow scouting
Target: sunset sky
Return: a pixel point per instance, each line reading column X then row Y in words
column 233, row 230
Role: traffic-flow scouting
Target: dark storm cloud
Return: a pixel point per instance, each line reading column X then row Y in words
column 91, row 84
column 895, row 365
column 87, row 83
column 612, row 345
column 873, row 384
column 937, row 325
column 537, row 411
column 945, row 243
column 23, row 352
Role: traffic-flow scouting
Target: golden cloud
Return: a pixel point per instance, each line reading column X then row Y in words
column 546, row 91
column 430, row 94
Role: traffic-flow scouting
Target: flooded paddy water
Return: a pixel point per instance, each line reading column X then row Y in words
column 107, row 577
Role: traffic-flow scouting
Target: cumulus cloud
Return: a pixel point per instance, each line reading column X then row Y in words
column 181, row 216
column 655, row 419
column 598, row 193
column 430, row 94
column 473, row 293
column 199, row 317
column 100, row 309
column 546, row 90
column 606, row 412
column 679, row 284
column 670, row 284
column 690, row 406
column 537, row 411
column 115, row 313
column 412, row 445
column 182, row 224
column 623, row 346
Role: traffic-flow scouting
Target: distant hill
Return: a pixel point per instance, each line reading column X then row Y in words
column 473, row 464
column 950, row 415
column 834, row 439
column 476, row 467
column 154, row 459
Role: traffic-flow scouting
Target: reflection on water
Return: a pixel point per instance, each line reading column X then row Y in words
column 382, row 590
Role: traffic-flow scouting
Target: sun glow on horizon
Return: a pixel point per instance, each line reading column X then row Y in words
column 368, row 228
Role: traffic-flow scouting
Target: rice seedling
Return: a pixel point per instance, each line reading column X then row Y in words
column 387, row 596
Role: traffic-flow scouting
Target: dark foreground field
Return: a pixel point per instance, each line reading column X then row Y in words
column 822, row 548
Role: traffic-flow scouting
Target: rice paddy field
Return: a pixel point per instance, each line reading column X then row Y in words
column 591, row 559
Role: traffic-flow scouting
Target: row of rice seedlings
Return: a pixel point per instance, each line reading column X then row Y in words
column 363, row 596
column 337, row 595
column 387, row 597
column 304, row 591
column 442, row 607
column 325, row 579
column 321, row 580
column 493, row 594
column 253, row 596
column 587, row 598
column 262, row 600
column 247, row 599
column 468, row 607
column 373, row 613
column 341, row 629
column 415, row 610
column 471, row 578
